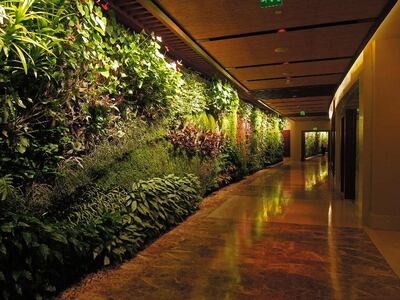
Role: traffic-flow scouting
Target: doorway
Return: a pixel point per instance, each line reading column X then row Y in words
column 348, row 156
column 314, row 143
column 348, row 143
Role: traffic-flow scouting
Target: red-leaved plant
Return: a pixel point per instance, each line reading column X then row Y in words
column 197, row 141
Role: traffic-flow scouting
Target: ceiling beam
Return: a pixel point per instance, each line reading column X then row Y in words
column 365, row 41
column 294, row 76
column 317, row 114
column 293, row 62
column 298, row 28
column 156, row 11
column 296, row 92
column 291, row 100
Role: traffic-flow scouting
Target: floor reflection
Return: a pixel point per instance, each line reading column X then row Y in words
column 279, row 234
column 315, row 174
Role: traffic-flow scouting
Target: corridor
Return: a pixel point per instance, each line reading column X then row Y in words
column 278, row 234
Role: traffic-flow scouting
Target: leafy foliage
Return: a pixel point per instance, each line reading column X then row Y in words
column 192, row 99
column 266, row 146
column 94, row 119
column 197, row 141
column 25, row 36
column 6, row 186
column 38, row 258
column 85, row 75
column 314, row 141
column 223, row 98
column 75, row 76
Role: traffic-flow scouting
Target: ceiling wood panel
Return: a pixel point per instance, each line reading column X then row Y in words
column 214, row 18
column 294, row 69
column 291, row 100
column 302, row 107
column 293, row 82
column 290, row 106
column 308, row 118
column 297, row 113
column 307, row 111
column 297, row 105
column 338, row 41
column 238, row 40
column 296, row 92
column 310, row 113
column 297, row 102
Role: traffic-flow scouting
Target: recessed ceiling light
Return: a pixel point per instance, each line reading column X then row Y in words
column 281, row 49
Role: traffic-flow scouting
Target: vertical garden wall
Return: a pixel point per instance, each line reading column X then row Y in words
column 315, row 142
column 105, row 143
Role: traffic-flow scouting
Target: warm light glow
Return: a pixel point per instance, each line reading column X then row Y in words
column 173, row 65
column 281, row 49
column 330, row 215
column 346, row 83
column 262, row 103
column 331, row 109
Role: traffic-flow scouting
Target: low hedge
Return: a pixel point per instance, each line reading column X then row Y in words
column 39, row 258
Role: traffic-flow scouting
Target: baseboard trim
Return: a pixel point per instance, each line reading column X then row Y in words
column 384, row 222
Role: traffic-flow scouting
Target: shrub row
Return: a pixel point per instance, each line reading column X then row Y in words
column 41, row 257
column 99, row 108
column 98, row 77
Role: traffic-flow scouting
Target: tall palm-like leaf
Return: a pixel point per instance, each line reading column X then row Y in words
column 22, row 31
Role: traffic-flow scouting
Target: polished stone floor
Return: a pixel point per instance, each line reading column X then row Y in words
column 279, row 234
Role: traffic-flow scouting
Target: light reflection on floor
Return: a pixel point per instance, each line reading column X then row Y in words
column 279, row 234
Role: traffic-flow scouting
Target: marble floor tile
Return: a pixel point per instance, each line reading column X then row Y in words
column 278, row 234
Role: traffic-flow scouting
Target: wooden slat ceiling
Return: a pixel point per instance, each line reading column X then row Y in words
column 134, row 15
column 205, row 19
column 309, row 44
column 291, row 70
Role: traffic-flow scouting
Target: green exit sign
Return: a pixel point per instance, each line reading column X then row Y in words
column 270, row 3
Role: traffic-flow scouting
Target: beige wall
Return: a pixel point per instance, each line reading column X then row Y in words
column 296, row 128
column 385, row 176
column 378, row 72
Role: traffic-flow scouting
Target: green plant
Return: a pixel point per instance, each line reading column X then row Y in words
column 222, row 97
column 25, row 35
column 91, row 130
column 191, row 99
column 38, row 258
column 266, row 143
column 95, row 74
column 6, row 186
column 229, row 125
column 314, row 141
column 196, row 141
column 205, row 121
